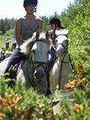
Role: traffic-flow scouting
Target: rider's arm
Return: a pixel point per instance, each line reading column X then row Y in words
column 52, row 39
column 40, row 24
column 18, row 35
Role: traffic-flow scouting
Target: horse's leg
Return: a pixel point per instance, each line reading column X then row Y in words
column 20, row 77
column 54, row 77
column 48, row 82
column 65, row 74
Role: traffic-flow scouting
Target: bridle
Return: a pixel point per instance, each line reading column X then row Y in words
column 37, row 64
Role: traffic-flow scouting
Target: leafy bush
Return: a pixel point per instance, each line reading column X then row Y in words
column 17, row 103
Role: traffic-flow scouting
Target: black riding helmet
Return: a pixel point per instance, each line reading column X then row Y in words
column 29, row 2
column 56, row 21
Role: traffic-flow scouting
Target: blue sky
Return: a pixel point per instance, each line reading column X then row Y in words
column 14, row 8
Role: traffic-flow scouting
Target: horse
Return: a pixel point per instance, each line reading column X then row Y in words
column 62, row 68
column 33, row 72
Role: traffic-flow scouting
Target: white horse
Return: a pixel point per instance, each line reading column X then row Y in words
column 59, row 74
column 33, row 72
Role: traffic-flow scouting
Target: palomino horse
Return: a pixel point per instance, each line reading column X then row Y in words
column 34, row 69
column 33, row 72
column 62, row 68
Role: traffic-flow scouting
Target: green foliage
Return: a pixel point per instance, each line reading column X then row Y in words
column 45, row 23
column 6, row 24
column 7, row 37
column 20, row 103
column 76, row 19
column 1, row 41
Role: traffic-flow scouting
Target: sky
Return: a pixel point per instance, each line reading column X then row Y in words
column 14, row 8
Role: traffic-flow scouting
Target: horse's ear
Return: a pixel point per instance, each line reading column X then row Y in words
column 47, row 37
column 37, row 35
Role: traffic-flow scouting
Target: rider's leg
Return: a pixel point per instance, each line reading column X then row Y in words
column 52, row 52
column 15, row 59
column 52, row 58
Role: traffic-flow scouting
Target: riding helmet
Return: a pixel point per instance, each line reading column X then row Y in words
column 29, row 2
column 56, row 21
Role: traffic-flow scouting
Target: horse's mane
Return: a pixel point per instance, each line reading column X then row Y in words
column 25, row 48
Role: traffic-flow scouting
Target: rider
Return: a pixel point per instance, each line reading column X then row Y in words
column 7, row 47
column 13, row 46
column 56, row 28
column 2, row 54
column 24, row 29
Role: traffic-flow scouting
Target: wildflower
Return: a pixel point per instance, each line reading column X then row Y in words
column 41, row 105
column 70, row 84
column 81, row 65
column 66, row 119
column 17, row 99
column 1, row 116
column 78, row 108
column 78, row 81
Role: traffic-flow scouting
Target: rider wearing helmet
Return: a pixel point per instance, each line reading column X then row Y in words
column 24, row 29
column 7, row 47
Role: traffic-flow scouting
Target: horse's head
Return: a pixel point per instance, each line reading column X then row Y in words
column 39, row 55
column 61, row 43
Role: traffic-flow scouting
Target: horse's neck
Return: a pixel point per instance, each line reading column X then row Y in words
column 65, row 58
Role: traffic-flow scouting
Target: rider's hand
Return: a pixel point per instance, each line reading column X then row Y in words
column 53, row 45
